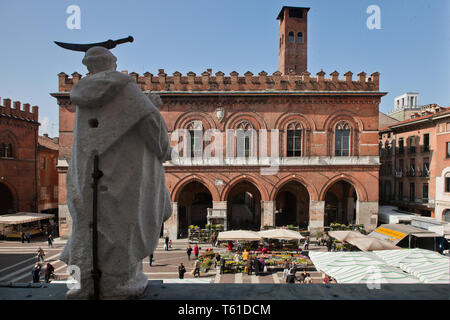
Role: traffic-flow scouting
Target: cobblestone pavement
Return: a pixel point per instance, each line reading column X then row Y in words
column 17, row 260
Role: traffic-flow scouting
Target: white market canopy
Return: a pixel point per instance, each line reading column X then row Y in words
column 366, row 243
column 282, row 234
column 361, row 241
column 359, row 267
column 428, row 266
column 239, row 235
column 24, row 217
column 344, row 235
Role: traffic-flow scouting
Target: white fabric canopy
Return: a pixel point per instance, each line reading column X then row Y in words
column 24, row 217
column 359, row 267
column 344, row 235
column 239, row 235
column 361, row 241
column 377, row 274
column 428, row 266
column 326, row 261
column 283, row 234
column 367, row 243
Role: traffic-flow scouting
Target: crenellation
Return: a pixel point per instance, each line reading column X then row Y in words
column 15, row 110
column 248, row 82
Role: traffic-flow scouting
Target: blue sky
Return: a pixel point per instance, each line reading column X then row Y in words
column 411, row 50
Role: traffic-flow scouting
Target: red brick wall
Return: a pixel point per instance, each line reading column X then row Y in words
column 20, row 128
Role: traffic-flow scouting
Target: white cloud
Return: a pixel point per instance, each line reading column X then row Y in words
column 45, row 126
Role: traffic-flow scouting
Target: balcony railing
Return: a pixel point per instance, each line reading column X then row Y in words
column 425, row 149
column 411, row 150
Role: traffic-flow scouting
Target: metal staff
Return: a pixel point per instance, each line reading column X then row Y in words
column 96, row 273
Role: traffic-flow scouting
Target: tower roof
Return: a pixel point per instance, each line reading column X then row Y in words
column 280, row 15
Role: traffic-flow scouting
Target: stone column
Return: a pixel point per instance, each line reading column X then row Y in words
column 222, row 205
column 367, row 214
column 350, row 207
column 65, row 219
column 267, row 213
column 316, row 215
column 171, row 225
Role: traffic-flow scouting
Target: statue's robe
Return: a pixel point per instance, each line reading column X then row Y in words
column 132, row 143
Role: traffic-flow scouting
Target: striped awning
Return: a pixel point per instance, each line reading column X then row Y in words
column 426, row 265
column 359, row 267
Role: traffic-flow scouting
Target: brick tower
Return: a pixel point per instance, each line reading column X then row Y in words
column 293, row 40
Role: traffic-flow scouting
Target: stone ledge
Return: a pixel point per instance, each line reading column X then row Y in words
column 160, row 291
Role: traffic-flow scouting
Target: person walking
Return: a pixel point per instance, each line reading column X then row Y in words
column 50, row 240
column 197, row 268
column 245, row 255
column 181, row 271
column 222, row 265
column 306, row 245
column 28, row 236
column 249, row 266
column 150, row 259
column 188, row 252
column 40, row 255
column 291, row 274
column 166, row 245
column 213, row 239
column 22, row 237
column 35, row 272
column 285, row 268
column 196, row 250
column 329, row 243
column 49, row 271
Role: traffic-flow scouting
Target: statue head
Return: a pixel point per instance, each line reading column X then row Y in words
column 98, row 59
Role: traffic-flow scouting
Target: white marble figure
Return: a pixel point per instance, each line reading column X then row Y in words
column 118, row 122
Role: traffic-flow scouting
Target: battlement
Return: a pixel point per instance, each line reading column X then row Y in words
column 263, row 82
column 14, row 110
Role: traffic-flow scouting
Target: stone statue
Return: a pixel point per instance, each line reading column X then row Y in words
column 118, row 122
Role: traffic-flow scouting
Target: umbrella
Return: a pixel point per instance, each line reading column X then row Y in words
column 367, row 243
column 283, row 234
column 239, row 235
column 344, row 235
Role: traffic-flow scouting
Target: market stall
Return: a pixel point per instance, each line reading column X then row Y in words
column 359, row 267
column 12, row 225
column 281, row 234
column 361, row 241
column 426, row 265
column 243, row 235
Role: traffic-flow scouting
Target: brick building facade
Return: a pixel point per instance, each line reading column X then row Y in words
column 325, row 131
column 47, row 174
column 18, row 154
column 415, row 163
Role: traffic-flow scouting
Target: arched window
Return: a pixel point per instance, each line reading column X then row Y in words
column 291, row 37
column 446, row 215
column 195, row 139
column 294, row 140
column 299, row 37
column 245, row 137
column 342, row 139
